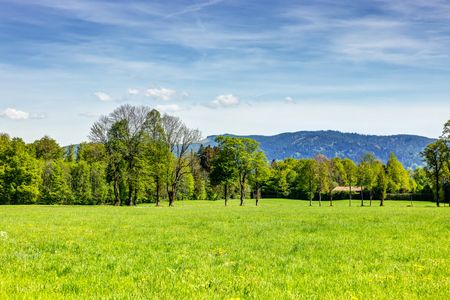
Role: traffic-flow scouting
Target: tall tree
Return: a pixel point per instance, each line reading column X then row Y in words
column 156, row 152
column 382, row 184
column 116, row 149
column 223, row 169
column 179, row 138
column 350, row 174
column 367, row 175
column 435, row 156
column 323, row 175
column 259, row 174
column 333, row 178
column 308, row 177
column 132, row 120
column 243, row 152
column 398, row 177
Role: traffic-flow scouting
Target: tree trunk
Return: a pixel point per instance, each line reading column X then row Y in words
column 362, row 197
column 350, row 195
column 242, row 184
column 310, row 198
column 225, row 192
column 437, row 190
column 331, row 199
column 257, row 195
column 116, row 193
column 171, row 198
column 172, row 194
column 135, row 196
column 157, row 191
column 371, row 197
column 320, row 199
column 382, row 200
column 130, row 194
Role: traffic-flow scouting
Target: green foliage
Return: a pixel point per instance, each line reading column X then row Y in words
column 324, row 178
column 99, row 187
column 186, row 187
column 81, row 183
column 19, row 173
column 382, row 184
column 422, row 180
column 241, row 156
column 436, row 156
column 282, row 178
column 55, row 187
column 308, row 177
column 47, row 149
column 91, row 152
column 155, row 155
column 222, row 166
column 260, row 174
column 398, row 177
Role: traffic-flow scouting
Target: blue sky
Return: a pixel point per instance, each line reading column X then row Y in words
column 245, row 67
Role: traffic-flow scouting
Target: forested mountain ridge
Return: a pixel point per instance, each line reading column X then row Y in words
column 306, row 144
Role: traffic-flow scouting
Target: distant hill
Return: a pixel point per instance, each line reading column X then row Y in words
column 303, row 144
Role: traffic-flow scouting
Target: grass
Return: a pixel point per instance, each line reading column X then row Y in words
column 199, row 249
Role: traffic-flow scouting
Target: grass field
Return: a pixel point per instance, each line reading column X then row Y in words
column 199, row 249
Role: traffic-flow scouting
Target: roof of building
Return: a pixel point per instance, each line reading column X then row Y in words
column 347, row 189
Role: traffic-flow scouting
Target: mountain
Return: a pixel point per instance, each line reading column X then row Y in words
column 305, row 144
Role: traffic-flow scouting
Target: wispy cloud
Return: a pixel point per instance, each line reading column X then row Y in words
column 133, row 91
column 104, row 97
column 194, row 8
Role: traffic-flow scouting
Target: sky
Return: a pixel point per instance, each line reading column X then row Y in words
column 243, row 67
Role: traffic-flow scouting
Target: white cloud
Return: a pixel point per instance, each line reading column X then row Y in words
column 103, row 96
column 161, row 94
column 225, row 101
column 133, row 91
column 14, row 114
column 289, row 100
column 168, row 108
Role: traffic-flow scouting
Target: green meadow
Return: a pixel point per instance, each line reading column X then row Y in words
column 282, row 249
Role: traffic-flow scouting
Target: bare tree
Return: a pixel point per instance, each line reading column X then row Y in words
column 180, row 139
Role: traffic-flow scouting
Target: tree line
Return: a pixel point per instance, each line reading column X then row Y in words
column 136, row 155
